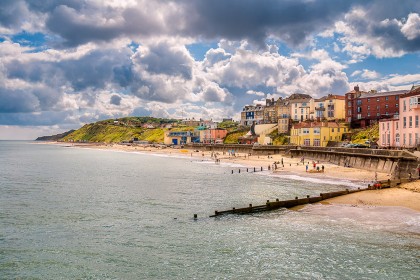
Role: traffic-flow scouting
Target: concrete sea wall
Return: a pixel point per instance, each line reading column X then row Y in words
column 399, row 163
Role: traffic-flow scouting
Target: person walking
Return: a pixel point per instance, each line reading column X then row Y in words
column 322, row 167
column 307, row 168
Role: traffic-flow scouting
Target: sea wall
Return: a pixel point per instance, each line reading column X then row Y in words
column 399, row 163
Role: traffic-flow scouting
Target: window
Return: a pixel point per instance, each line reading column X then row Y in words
column 404, row 139
column 317, row 142
column 349, row 103
column 404, row 106
column 368, row 99
column 396, row 105
column 389, row 139
column 404, row 122
column 377, row 114
column 359, row 102
column 417, row 139
column 409, row 139
column 397, row 138
column 387, row 126
column 317, row 130
column 383, row 139
column 301, row 111
column 410, row 121
column 332, row 129
column 368, row 107
column 306, row 142
column 396, row 97
column 359, row 109
column 368, row 114
column 386, row 98
column 349, row 112
column 377, row 99
column 417, row 121
column 386, row 105
column 338, row 129
column 396, row 125
column 383, row 126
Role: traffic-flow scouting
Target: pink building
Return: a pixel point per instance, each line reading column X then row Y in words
column 403, row 131
column 215, row 135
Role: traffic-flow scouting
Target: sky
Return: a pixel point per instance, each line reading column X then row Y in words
column 67, row 63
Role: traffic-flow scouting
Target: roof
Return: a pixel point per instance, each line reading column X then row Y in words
column 330, row 97
column 299, row 96
column 379, row 94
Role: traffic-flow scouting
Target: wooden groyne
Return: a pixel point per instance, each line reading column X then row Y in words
column 277, row 204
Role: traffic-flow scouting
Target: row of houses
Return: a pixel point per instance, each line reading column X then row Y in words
column 295, row 108
column 315, row 122
column 403, row 129
column 206, row 136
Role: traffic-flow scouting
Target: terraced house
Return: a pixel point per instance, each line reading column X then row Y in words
column 404, row 129
column 366, row 108
column 330, row 107
column 316, row 134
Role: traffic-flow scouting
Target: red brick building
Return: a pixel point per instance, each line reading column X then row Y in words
column 366, row 108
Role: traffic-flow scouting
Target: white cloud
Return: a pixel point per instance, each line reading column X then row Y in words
column 257, row 93
column 366, row 74
column 411, row 28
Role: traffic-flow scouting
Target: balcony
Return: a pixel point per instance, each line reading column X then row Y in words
column 319, row 108
column 415, row 106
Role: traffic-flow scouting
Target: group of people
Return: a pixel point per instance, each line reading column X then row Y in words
column 314, row 164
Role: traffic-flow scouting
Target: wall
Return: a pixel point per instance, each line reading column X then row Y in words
column 399, row 163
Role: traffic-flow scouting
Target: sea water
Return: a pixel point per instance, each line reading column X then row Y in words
column 73, row 213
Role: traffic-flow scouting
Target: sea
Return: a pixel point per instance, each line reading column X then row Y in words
column 79, row 213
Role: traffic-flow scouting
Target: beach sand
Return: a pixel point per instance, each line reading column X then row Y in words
column 402, row 197
column 406, row 195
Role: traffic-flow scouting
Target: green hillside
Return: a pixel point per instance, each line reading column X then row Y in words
column 369, row 133
column 124, row 129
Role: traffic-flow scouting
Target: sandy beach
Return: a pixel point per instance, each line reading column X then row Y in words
column 406, row 195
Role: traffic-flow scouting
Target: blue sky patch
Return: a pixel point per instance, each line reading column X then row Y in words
column 199, row 50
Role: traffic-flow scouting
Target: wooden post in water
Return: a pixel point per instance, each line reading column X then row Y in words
column 195, row 216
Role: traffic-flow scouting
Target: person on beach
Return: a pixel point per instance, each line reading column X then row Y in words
column 307, row 168
column 376, row 176
column 322, row 167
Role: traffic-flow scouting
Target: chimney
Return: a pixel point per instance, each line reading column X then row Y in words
column 356, row 88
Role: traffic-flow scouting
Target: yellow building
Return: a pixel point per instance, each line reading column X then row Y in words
column 330, row 107
column 316, row 133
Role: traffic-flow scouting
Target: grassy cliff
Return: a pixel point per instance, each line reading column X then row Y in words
column 123, row 129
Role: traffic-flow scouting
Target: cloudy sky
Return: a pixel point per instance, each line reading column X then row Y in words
column 70, row 62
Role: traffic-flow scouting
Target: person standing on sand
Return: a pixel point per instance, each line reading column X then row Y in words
column 307, row 168
column 322, row 167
